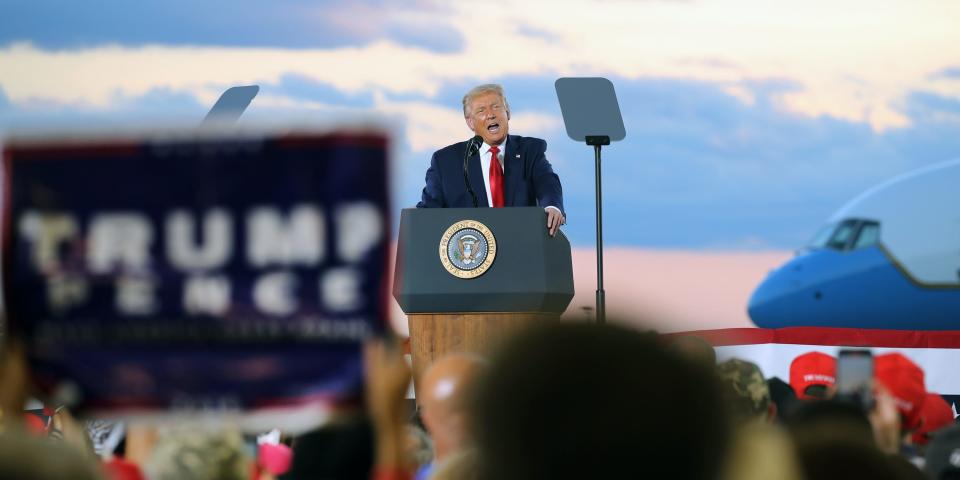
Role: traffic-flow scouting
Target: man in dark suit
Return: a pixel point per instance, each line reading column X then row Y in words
column 521, row 176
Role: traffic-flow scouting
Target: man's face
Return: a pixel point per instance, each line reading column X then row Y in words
column 488, row 118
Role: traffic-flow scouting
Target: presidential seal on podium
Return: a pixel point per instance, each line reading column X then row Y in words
column 467, row 249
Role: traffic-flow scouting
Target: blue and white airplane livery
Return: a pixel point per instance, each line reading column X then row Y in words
column 889, row 259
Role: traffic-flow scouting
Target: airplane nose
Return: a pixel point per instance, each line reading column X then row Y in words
column 759, row 306
column 791, row 294
column 768, row 306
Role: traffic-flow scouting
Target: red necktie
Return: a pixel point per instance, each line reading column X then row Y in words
column 496, row 178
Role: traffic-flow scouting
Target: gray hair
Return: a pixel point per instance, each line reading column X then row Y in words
column 422, row 453
column 480, row 90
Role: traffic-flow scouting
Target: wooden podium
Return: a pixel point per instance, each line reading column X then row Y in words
column 469, row 277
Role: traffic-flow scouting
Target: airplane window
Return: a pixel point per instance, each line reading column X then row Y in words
column 869, row 235
column 820, row 239
column 842, row 235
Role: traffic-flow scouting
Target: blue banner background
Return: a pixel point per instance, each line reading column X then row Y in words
column 243, row 358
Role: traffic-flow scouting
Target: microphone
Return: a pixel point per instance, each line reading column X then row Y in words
column 473, row 146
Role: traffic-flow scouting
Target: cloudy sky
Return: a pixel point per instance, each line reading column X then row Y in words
column 748, row 121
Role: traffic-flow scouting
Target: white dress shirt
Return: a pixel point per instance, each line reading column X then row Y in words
column 485, row 157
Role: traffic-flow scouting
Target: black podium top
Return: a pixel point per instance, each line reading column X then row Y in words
column 530, row 271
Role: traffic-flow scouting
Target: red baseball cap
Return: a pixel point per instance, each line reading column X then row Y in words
column 120, row 469
column 936, row 414
column 275, row 458
column 35, row 424
column 812, row 368
column 904, row 380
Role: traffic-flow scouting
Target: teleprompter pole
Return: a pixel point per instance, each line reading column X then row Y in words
column 598, row 141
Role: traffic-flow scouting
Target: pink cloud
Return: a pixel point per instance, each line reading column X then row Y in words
column 672, row 290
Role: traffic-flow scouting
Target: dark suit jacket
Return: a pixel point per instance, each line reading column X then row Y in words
column 528, row 178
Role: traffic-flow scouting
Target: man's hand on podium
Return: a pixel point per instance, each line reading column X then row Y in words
column 554, row 220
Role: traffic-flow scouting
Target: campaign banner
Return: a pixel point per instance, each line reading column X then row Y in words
column 226, row 274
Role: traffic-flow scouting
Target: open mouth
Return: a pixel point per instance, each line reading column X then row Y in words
column 493, row 128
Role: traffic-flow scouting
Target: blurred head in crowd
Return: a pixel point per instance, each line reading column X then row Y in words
column 335, row 452
column 762, row 452
column 846, row 421
column 830, row 458
column 903, row 379
column 25, row 456
column 746, row 391
column 445, row 388
column 835, row 440
column 188, row 454
column 782, row 395
column 943, row 455
column 597, row 401
column 935, row 414
column 812, row 374
column 904, row 469
column 696, row 349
